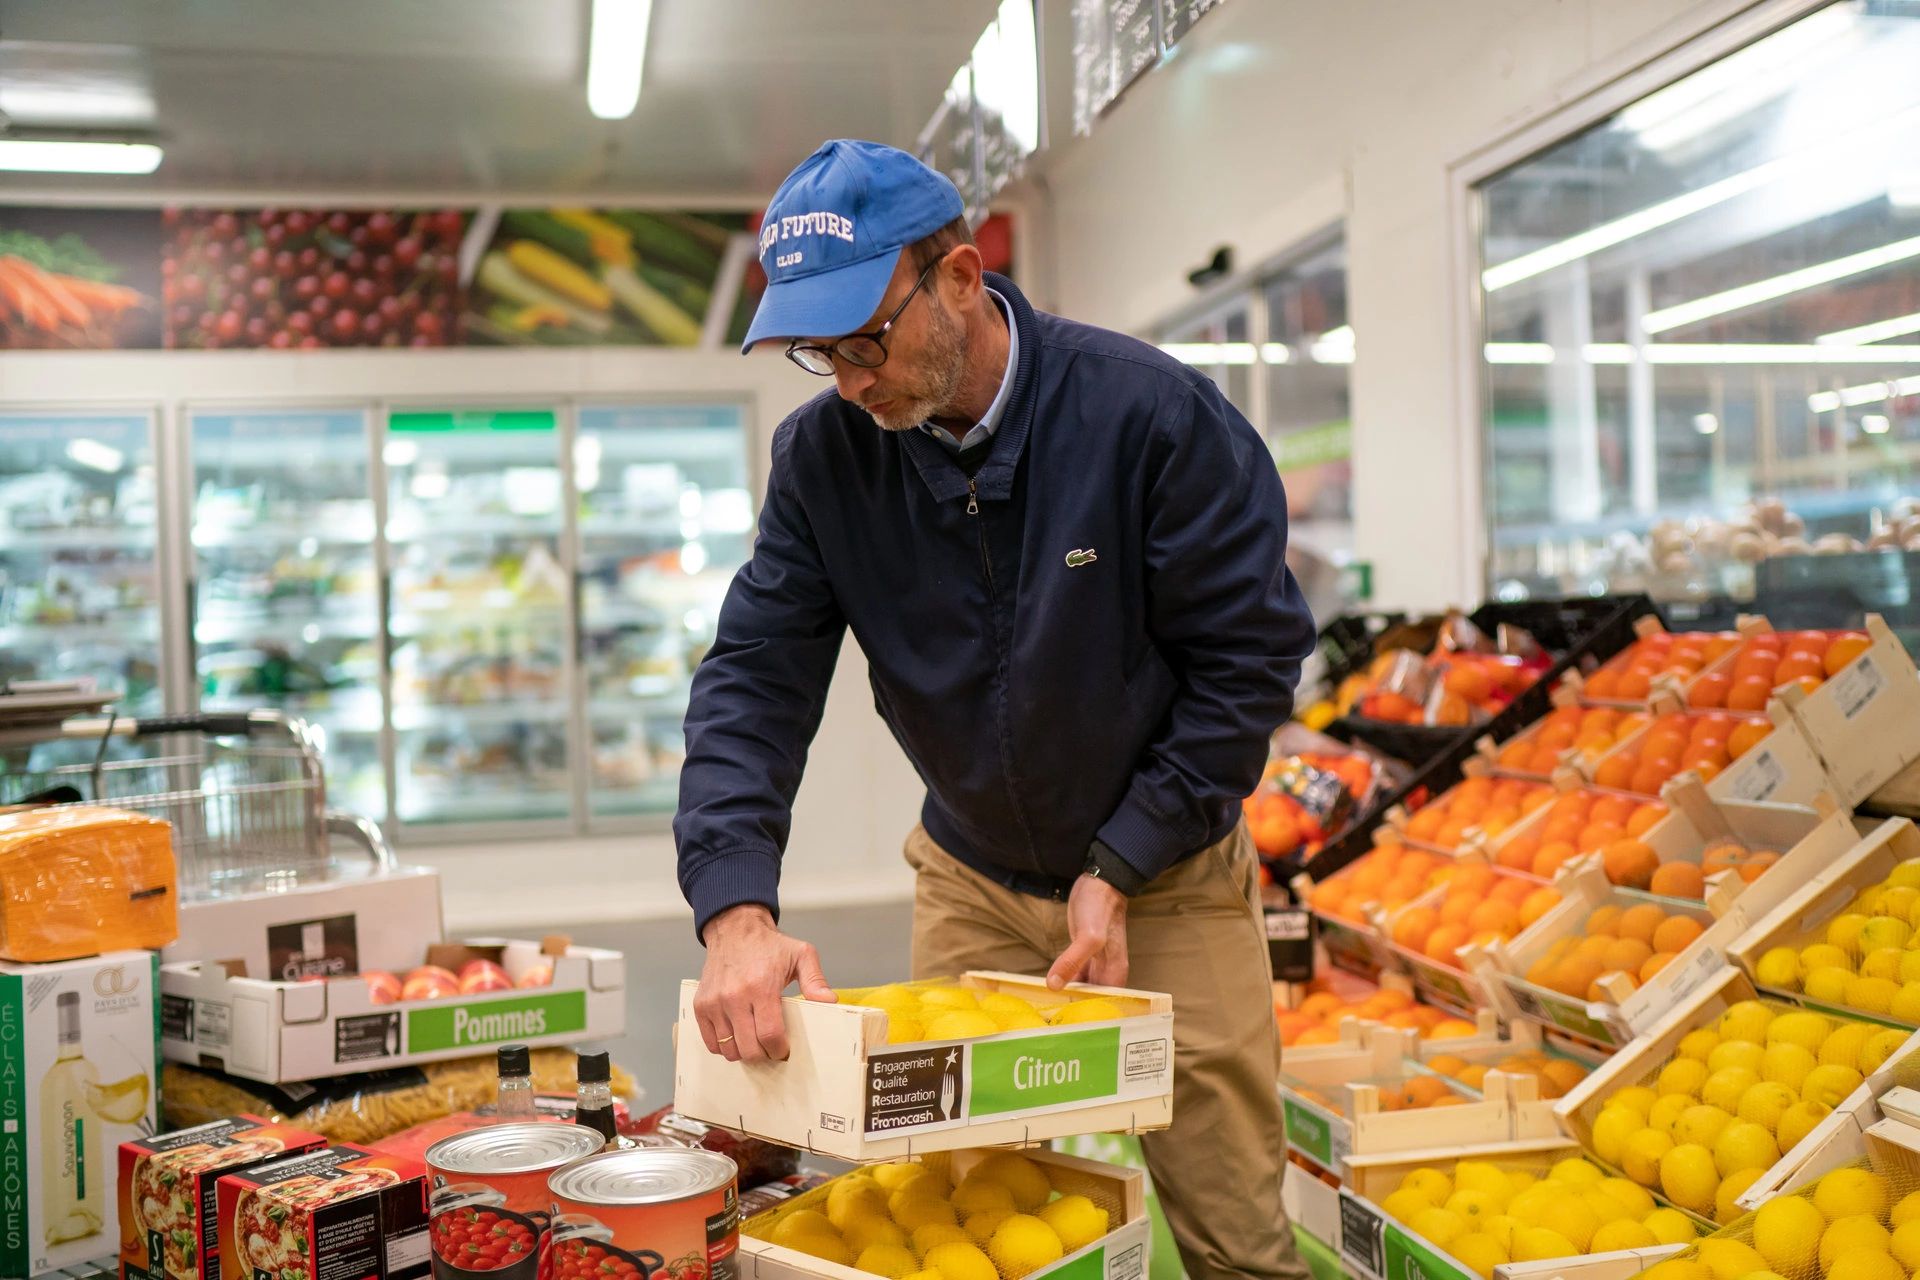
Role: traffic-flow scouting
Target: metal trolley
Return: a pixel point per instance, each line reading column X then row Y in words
column 244, row 792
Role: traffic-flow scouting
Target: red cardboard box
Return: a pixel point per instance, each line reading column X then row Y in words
column 167, row 1207
column 364, row 1211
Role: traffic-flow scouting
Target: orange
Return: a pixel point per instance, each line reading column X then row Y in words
column 1633, row 685
column 1603, row 920
column 1755, row 662
column 1551, row 857
column 1655, row 963
column 1538, row 797
column 1799, row 665
column 1640, row 922
column 1721, row 643
column 1538, row 903
column 1630, row 862
column 1452, row 1029
column 1562, row 1071
column 1747, row 735
column 1512, row 890
column 1755, row 864
column 1710, row 690
column 1598, row 835
column 1722, row 857
column 1595, row 946
column 1458, row 908
column 1675, row 933
column 1678, row 880
column 1652, row 775
column 1450, row 1100
column 1814, row 642
column 1645, row 818
column 1515, row 756
column 1319, row 1035
column 1412, row 928
column 1572, row 976
column 1750, row 693
column 1604, row 683
column 1444, row 941
column 1613, row 810
column 1446, row 1064
column 1319, row 1004
column 1843, row 649
column 1495, row 915
column 1517, row 853
column 1476, row 878
column 1626, row 955
column 1423, row 1091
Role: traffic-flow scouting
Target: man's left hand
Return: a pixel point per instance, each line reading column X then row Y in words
column 1097, row 933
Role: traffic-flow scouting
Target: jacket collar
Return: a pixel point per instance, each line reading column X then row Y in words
column 994, row 480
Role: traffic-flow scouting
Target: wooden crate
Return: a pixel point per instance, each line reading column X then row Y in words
column 1112, row 1076
column 1121, row 1254
column 1782, row 767
column 1888, row 1093
column 1311, row 1205
column 1864, row 722
column 1384, row 1248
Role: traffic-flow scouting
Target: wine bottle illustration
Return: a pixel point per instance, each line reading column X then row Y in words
column 74, row 1178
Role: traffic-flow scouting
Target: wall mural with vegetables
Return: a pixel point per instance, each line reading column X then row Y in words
column 79, row 279
column 207, row 279
column 604, row 276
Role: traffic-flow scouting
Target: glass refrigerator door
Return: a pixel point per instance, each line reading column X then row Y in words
column 286, row 593
column 78, row 588
column 477, row 616
column 666, row 517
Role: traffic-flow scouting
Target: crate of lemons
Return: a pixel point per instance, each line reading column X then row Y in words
column 965, row 1215
column 1852, row 1224
column 1733, row 1098
column 1867, row 957
column 947, row 1011
column 1487, row 1214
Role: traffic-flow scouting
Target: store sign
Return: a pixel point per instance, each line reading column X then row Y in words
column 481, row 1023
column 1313, row 447
column 473, row 420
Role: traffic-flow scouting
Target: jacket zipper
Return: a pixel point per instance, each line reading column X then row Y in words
column 986, row 561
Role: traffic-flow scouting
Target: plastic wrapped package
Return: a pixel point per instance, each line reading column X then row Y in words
column 759, row 1160
column 368, row 1107
column 79, row 880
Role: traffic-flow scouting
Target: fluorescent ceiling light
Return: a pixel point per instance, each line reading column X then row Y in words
column 1276, row 353
column 89, row 102
column 1759, row 291
column 1335, row 346
column 1205, row 353
column 1707, row 353
column 1874, row 332
column 1705, row 423
column 89, row 452
column 1876, row 424
column 1006, row 73
column 38, row 155
column 1607, row 353
column 616, row 56
column 1519, row 353
column 1868, row 393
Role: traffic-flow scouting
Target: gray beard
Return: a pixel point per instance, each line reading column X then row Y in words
column 945, row 361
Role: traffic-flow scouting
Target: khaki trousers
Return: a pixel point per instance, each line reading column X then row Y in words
column 1196, row 934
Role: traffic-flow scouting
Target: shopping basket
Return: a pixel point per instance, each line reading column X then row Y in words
column 244, row 792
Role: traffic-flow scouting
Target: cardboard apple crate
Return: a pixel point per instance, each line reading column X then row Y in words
column 1800, row 918
column 1809, row 842
column 213, row 1015
column 845, row 1092
column 1890, row 1148
column 1864, row 722
column 1380, row 1246
column 1640, row 1061
column 1121, row 1254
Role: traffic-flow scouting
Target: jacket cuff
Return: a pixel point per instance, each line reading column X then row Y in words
column 727, row 880
column 1143, row 842
column 1107, row 865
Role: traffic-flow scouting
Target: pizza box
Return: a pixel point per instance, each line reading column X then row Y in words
column 1382, row 1247
column 1801, row 918
column 1122, row 1254
column 213, row 1015
column 357, row 916
column 1864, row 721
column 845, row 1092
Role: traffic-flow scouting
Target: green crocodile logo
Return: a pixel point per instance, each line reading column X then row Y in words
column 1077, row 557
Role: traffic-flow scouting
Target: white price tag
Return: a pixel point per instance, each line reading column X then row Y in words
column 1855, row 688
column 1756, row 780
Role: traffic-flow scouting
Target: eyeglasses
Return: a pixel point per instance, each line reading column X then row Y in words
column 864, row 350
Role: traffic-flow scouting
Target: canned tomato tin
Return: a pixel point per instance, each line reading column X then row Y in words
column 487, row 1201
column 631, row 1215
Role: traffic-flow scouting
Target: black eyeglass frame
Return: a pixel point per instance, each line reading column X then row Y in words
column 875, row 336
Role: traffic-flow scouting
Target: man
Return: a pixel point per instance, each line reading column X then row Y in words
column 1064, row 555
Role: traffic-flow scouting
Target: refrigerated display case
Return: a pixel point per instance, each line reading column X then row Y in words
column 665, row 518
column 285, row 598
column 478, row 615
column 79, row 590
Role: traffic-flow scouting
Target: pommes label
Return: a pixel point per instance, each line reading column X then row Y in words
column 1017, row 1073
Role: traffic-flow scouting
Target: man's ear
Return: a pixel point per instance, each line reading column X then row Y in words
column 960, row 273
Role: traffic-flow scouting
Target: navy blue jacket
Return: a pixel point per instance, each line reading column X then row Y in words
column 1093, row 638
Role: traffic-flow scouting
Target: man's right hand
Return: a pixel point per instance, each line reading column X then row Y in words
column 749, row 963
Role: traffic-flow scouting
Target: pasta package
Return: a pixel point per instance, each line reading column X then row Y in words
column 368, row 1211
column 168, row 1227
column 78, row 880
column 364, row 1108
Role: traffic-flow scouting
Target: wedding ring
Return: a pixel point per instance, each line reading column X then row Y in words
column 723, row 1039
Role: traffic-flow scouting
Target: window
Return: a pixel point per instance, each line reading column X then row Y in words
column 1702, row 322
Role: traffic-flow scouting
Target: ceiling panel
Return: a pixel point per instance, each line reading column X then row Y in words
column 482, row 95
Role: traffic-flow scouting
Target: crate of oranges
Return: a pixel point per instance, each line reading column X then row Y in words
column 1705, row 1103
column 1864, row 719
column 1574, row 822
column 1557, row 1062
column 1476, row 809
column 1570, row 734
column 1532, row 1213
column 1847, row 937
column 1327, row 1019
column 1659, row 659
column 1387, row 877
column 1851, row 1222
column 1652, row 748
column 1438, row 936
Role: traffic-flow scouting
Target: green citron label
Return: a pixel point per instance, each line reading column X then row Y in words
column 496, row 1021
column 1045, row 1071
column 1091, row 1267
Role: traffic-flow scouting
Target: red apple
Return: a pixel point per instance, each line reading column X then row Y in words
column 429, row 982
column 472, row 967
column 382, row 987
column 540, row 975
column 486, row 977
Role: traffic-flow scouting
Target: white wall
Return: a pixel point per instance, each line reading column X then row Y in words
column 860, row 796
column 1274, row 120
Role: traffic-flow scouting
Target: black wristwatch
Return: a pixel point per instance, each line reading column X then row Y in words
column 1104, row 864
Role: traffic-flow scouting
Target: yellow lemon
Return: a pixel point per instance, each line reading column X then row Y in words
column 1844, row 932
column 1636, row 1098
column 1910, row 963
column 1724, row 1089
column 960, row 1262
column 1822, row 956
column 1667, row 1112
column 895, row 1176
column 1732, row 1187
column 1477, row 1175
column 1501, row 1227
column 1670, row 1226
column 1857, row 1234
column 1829, row 1086
column 914, row 1212
column 829, row 1248
column 1098, row 1009
column 1905, row 875
column 1827, row 985
column 1906, row 1244
column 1002, row 1002
column 1689, row 1179
column 1612, row 1128
column 1879, row 1047
column 1746, row 1020
column 1883, row 933
column 1024, row 1243
column 801, row 1222
column 1701, row 1124
column 1574, row 1219
column 1786, row 1232
column 1698, row 1045
column 1480, row 1253
column 1019, row 1175
column 1631, row 1195
column 1676, row 1269
column 1402, row 1204
column 961, row 1024
column 1472, row 1206
column 1908, row 1210
column 1575, row 1172
column 976, row 1193
column 981, row 1226
column 1431, row 1183
column 1077, row 1220
column 1851, row 1193
column 1682, row 1075
column 1623, row 1234
column 855, row 1196
column 1532, row 1244
column 935, row 1234
column 1744, row 1145
column 890, row 997
column 1605, row 1207
column 1884, row 963
column 1802, row 1027
column 1906, row 1001
column 1535, row 1205
column 1438, row 1225
column 1871, row 995
column 1842, row 1048
column 1866, row 1265
column 1800, row 1120
column 891, row 1260
column 863, row 1233
column 1779, row 967
column 1765, row 1103
column 1017, row 1019
column 1729, row 1259
column 1787, row 1064
column 949, row 998
column 1735, row 1053
column 1645, row 1150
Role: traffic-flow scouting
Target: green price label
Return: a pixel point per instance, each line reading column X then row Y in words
column 1091, row 1267
column 1410, row 1259
column 496, row 1021
column 1575, row 1019
column 1045, row 1071
column 473, row 420
column 1308, row 1132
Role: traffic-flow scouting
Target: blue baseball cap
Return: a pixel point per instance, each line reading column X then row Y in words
column 834, row 232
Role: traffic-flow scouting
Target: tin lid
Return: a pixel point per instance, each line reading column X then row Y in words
column 513, row 1148
column 644, row 1175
